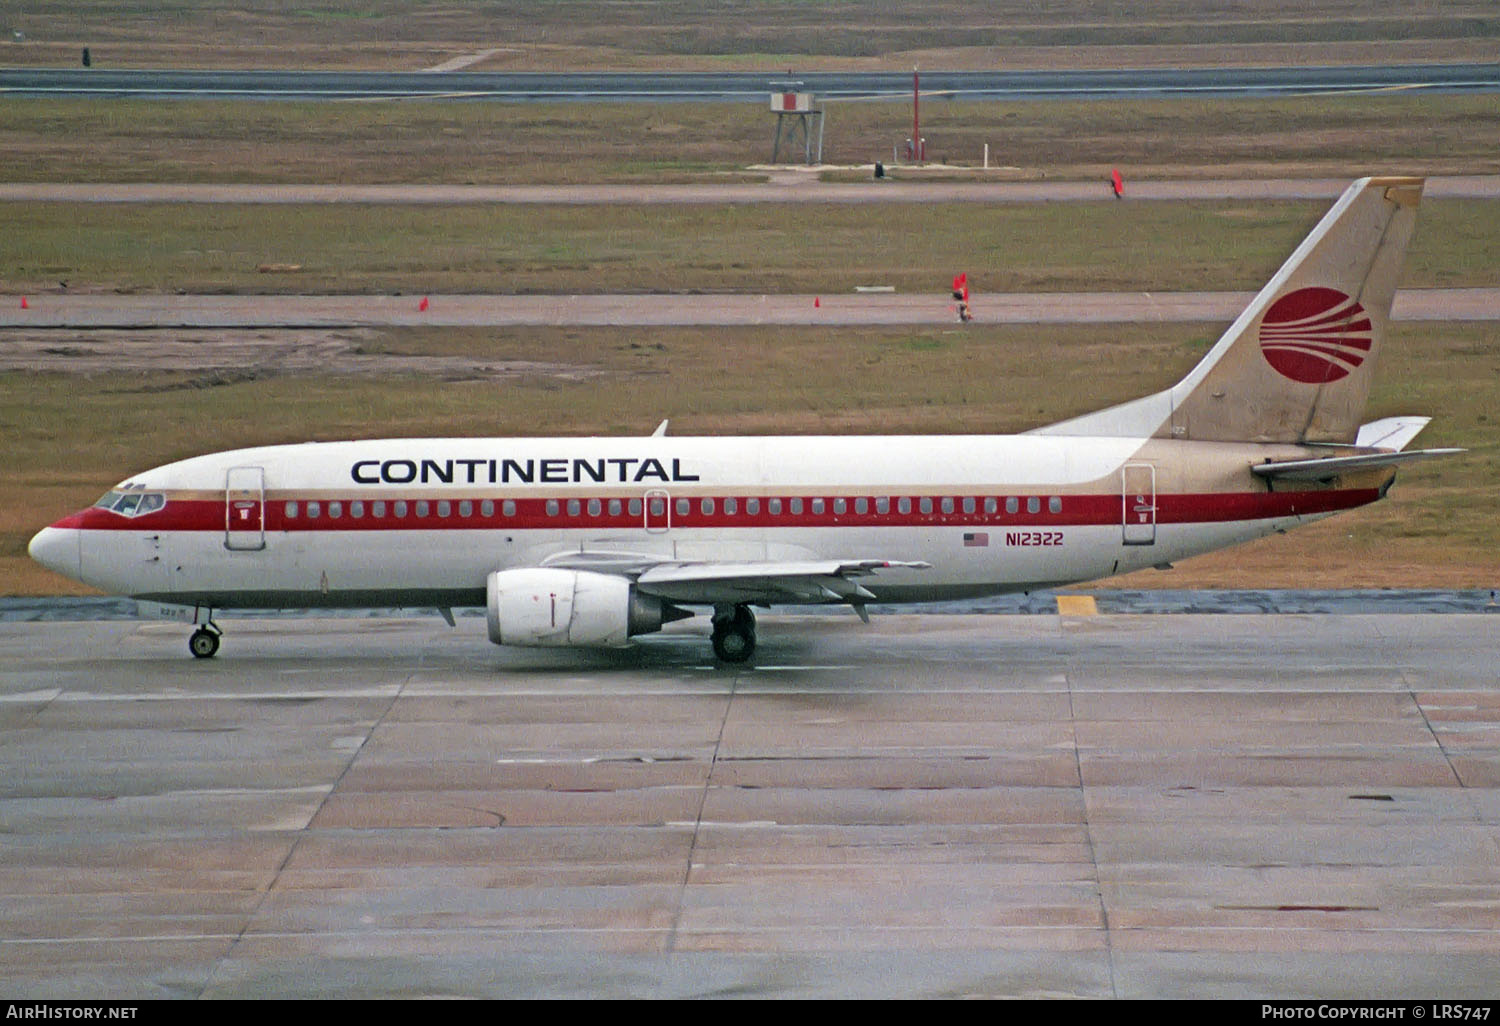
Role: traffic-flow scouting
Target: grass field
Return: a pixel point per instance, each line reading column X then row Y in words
column 1437, row 529
column 756, row 247
column 137, row 140
column 68, row 437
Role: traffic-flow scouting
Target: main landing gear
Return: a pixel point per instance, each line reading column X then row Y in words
column 734, row 633
column 204, row 642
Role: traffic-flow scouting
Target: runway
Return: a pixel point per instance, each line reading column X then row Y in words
column 56, row 310
column 746, row 87
column 1106, row 806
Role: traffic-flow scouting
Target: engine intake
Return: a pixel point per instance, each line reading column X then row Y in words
column 555, row 608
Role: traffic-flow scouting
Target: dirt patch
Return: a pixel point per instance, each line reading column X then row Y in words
column 229, row 356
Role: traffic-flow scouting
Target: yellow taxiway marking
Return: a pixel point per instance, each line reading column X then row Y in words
column 1077, row 605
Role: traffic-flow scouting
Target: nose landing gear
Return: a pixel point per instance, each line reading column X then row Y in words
column 734, row 633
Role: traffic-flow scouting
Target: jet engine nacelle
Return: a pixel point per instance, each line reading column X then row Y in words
column 547, row 607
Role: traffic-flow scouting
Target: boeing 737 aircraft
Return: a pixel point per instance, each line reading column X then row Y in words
column 590, row 541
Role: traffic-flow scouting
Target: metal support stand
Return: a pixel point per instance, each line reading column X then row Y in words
column 808, row 123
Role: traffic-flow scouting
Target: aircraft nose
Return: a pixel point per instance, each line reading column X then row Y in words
column 58, row 549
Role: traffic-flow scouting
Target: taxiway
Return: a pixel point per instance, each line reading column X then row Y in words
column 1094, row 806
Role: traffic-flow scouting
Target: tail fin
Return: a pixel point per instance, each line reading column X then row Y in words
column 1297, row 365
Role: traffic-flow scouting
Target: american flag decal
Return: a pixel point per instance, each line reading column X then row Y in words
column 976, row 540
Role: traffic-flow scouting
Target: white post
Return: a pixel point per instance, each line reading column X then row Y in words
column 986, row 156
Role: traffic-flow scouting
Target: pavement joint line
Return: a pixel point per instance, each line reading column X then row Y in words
column 296, row 836
column 698, row 821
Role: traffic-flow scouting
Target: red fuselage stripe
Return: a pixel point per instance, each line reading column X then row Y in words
column 532, row 514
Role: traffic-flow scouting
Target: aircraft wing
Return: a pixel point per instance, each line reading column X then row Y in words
column 737, row 582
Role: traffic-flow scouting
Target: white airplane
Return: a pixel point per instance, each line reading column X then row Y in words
column 590, row 541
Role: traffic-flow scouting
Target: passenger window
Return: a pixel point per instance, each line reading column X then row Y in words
column 466, row 508
column 422, row 507
column 925, row 504
column 1033, row 504
column 314, row 509
column 356, row 509
column 1054, row 505
column 731, row 506
column 595, row 507
column 682, row 507
column 990, row 505
column 377, row 508
column 444, row 508
column 903, row 504
column 947, row 504
column 840, row 506
column 400, row 509
column 552, row 507
column 487, row 508
column 817, row 505
column 1011, row 505
column 773, row 506
column 883, row 504
column 335, row 509
column 574, row 507
column 969, row 504
column 861, row 506
column 290, row 510
column 634, row 507
column 795, row 505
column 752, row 507
column 706, row 507
column 507, row 508
column 614, row 507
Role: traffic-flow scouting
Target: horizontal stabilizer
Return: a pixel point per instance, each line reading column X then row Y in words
column 1333, row 466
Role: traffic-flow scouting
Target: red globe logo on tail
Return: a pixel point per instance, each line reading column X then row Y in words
column 1315, row 335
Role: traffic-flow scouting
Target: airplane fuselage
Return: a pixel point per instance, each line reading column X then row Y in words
column 424, row 522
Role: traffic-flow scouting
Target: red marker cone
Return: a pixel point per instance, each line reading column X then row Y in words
column 25, row 305
column 422, row 306
column 817, row 302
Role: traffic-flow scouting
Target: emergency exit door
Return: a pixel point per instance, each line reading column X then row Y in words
column 1138, row 503
column 245, row 508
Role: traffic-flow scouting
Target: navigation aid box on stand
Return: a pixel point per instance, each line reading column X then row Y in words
column 796, row 112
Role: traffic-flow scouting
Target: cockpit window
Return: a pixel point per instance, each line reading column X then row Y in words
column 132, row 504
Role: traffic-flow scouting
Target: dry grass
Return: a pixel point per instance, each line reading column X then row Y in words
column 752, row 248
column 68, row 438
column 433, row 142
